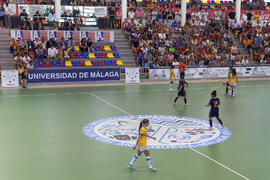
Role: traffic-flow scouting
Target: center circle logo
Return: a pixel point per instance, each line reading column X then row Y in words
column 171, row 132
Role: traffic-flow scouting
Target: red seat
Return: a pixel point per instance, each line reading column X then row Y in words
column 101, row 63
column 81, row 63
column 48, row 64
column 104, row 55
column 101, row 48
column 72, row 56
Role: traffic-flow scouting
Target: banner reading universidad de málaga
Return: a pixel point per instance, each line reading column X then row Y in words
column 10, row 78
column 72, row 75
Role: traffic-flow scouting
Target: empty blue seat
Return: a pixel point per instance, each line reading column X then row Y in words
column 35, row 64
column 116, row 55
column 85, row 55
column 75, row 63
column 40, row 64
column 95, row 48
column 107, row 63
column 94, row 63
column 62, row 63
column 55, row 64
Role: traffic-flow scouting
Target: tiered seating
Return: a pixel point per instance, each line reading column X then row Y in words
column 104, row 48
column 78, row 63
column 100, row 56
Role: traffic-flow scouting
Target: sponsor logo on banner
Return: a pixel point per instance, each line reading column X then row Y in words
column 67, row 35
column 83, row 34
column 10, row 78
column 99, row 36
column 132, row 75
column 171, row 132
column 17, row 35
column 70, row 75
column 106, row 36
column 52, row 35
column 35, row 34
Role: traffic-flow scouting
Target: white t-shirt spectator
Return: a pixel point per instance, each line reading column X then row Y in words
column 26, row 59
column 244, row 17
column 175, row 63
column 162, row 36
column 7, row 9
column 52, row 51
column 131, row 14
column 245, row 62
column 205, row 14
column 30, row 66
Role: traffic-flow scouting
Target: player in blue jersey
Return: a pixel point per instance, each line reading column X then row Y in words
column 214, row 111
column 181, row 91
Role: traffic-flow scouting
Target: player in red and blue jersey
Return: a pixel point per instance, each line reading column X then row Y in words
column 181, row 91
column 214, row 111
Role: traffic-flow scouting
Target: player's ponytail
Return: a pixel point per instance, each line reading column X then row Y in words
column 142, row 123
column 233, row 72
column 214, row 93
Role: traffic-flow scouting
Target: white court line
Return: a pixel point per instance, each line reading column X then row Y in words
column 119, row 91
column 103, row 100
column 194, row 150
column 207, row 157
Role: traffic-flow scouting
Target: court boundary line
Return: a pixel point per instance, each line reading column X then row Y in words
column 194, row 150
column 117, row 91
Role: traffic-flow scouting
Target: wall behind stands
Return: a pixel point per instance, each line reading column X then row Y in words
column 211, row 73
column 95, row 36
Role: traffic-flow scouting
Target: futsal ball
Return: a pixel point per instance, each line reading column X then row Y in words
column 224, row 82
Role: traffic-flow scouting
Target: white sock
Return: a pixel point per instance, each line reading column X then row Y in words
column 134, row 159
column 233, row 92
column 148, row 160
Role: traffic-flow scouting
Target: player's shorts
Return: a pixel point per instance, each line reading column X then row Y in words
column 172, row 80
column 182, row 93
column 233, row 84
column 182, row 74
column 214, row 113
column 228, row 84
column 142, row 149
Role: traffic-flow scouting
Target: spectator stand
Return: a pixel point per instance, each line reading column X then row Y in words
column 68, row 48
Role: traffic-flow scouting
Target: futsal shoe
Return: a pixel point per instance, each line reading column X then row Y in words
column 131, row 167
column 187, row 104
column 153, row 169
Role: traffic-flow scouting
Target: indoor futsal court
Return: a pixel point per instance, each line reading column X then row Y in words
column 88, row 132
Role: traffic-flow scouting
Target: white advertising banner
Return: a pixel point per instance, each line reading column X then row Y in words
column 132, row 75
column 210, row 73
column 10, row 78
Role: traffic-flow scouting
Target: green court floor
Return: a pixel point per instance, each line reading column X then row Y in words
column 41, row 133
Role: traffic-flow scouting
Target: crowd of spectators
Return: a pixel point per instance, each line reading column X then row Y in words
column 39, row 21
column 157, row 39
column 37, row 50
column 256, row 38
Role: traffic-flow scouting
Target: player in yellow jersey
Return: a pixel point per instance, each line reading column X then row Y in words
column 141, row 144
column 233, row 81
column 172, row 77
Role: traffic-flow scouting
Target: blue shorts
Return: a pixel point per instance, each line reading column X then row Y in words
column 182, row 93
column 214, row 114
